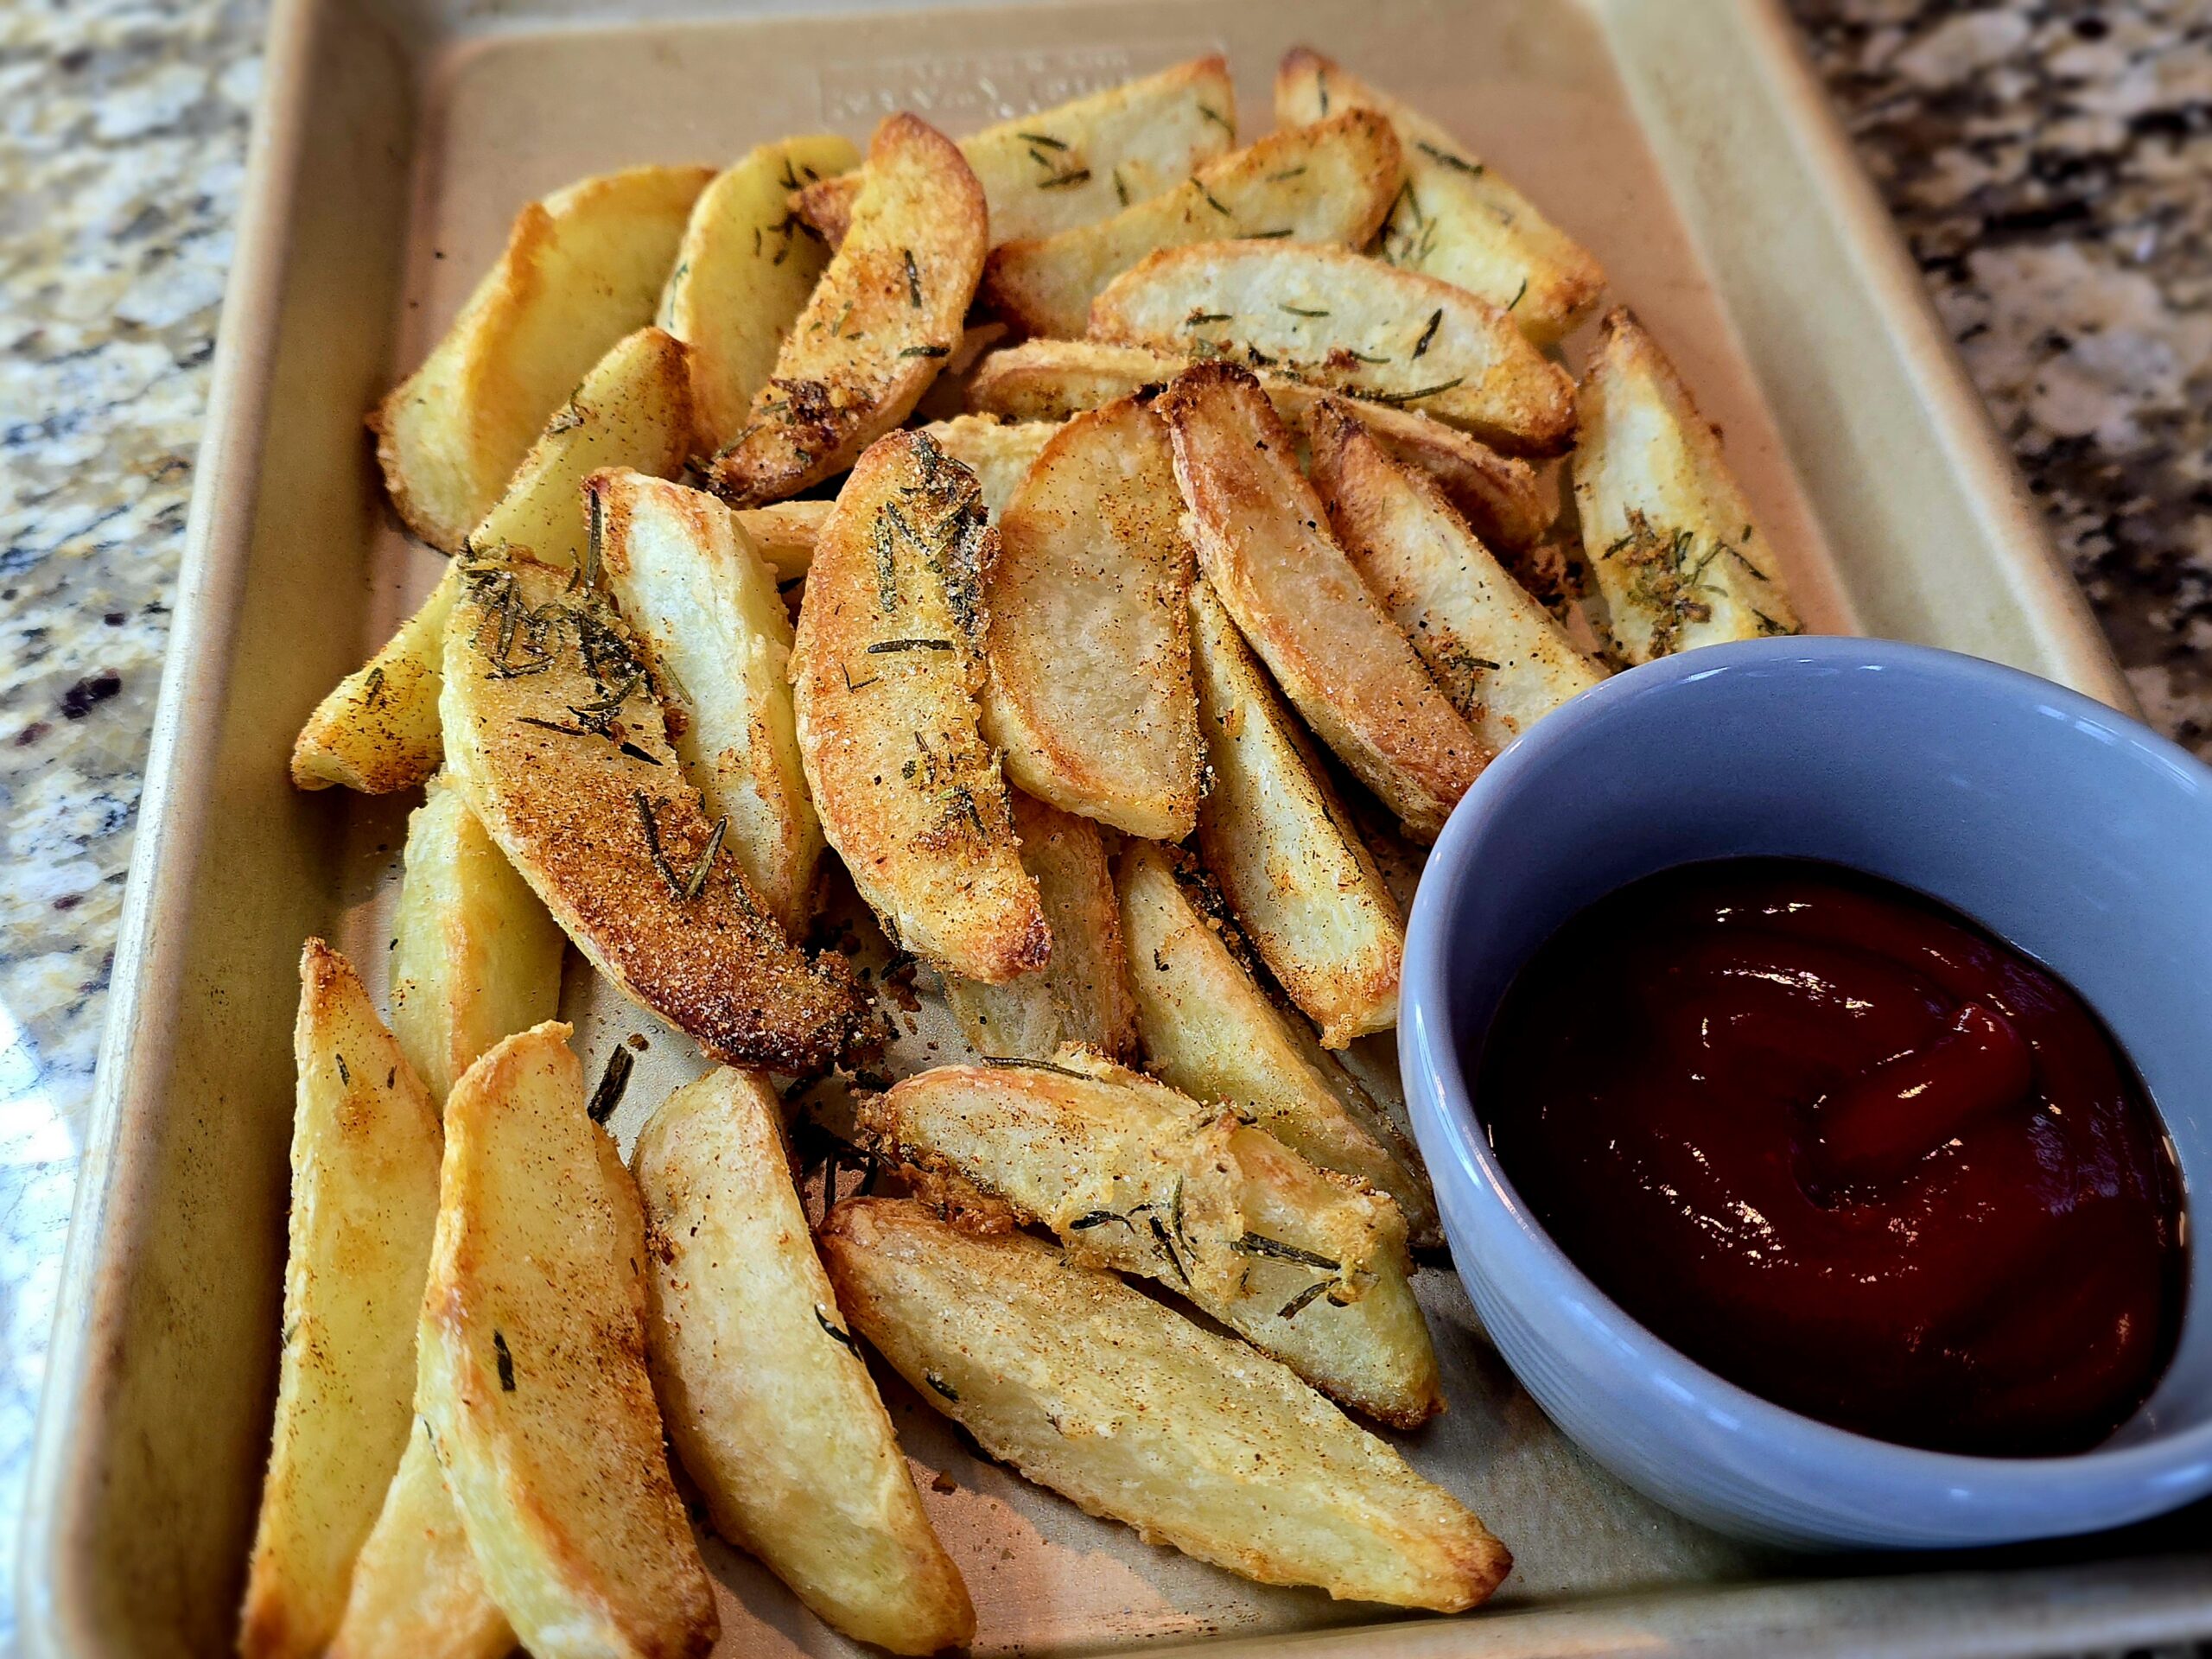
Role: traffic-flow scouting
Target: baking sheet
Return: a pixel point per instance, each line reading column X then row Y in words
column 1678, row 138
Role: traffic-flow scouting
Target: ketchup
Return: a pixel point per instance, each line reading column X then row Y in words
column 1840, row 1145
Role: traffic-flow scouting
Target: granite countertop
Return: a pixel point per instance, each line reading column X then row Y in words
column 2051, row 163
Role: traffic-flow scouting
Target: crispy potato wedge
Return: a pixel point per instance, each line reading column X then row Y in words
column 878, row 327
column 885, row 674
column 1263, row 543
column 1208, row 1029
column 532, row 1371
column 415, row 1588
column 1494, row 650
column 1332, row 317
column 378, row 731
column 1081, row 995
column 581, row 268
column 634, row 409
column 1109, row 1398
column 1129, row 1175
column 766, row 1398
column 475, row 956
column 1053, row 380
column 1329, row 182
column 1283, row 848
column 1089, row 697
column 556, row 739
column 1677, row 556
column 999, row 452
column 718, row 639
column 742, row 275
column 783, row 534
column 1082, row 161
column 1455, row 219
column 365, row 1184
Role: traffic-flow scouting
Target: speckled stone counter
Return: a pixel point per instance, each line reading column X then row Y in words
column 2050, row 164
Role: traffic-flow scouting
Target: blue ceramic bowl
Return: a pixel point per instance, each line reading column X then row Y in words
column 2079, row 835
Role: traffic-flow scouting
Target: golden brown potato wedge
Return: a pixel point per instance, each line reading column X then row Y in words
column 1264, row 545
column 581, row 268
column 1053, row 380
column 1081, row 995
column 475, row 956
column 1455, row 219
column 766, row 1397
column 718, row 640
column 415, row 1588
column 1329, row 182
column 742, row 275
column 1101, row 1393
column 532, row 1371
column 378, row 732
column 1208, row 1029
column 365, row 1185
column 1678, row 559
column 877, row 328
column 885, row 674
column 1328, row 315
column 1495, row 652
column 783, row 534
column 555, row 737
column 999, row 452
column 1283, row 849
column 634, row 409
column 1129, row 1175
column 1082, row 161
column 1088, row 698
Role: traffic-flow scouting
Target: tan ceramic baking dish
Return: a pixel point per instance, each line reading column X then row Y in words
column 1681, row 138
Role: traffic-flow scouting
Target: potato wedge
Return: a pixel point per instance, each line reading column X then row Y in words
column 1129, row 1175
column 1082, row 161
column 378, row 731
column 415, row 1588
column 1053, row 380
column 999, row 454
column 1278, row 841
column 1114, row 1400
column 365, row 1185
column 581, row 268
column 718, row 640
column 1493, row 649
column 1455, row 219
column 475, row 956
column 1332, row 317
column 742, row 275
column 878, row 327
column 1088, row 698
column 1333, row 181
column 1263, row 543
column 533, row 1377
column 634, row 409
column 766, row 1398
column 1677, row 556
column 1081, row 995
column 1207, row 1029
column 783, row 534
column 885, row 673
column 555, row 738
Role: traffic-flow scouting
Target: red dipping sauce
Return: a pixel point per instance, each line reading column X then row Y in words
column 1838, row 1144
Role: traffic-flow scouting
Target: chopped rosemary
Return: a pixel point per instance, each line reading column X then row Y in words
column 505, row 1360
column 883, row 645
column 1321, row 87
column 1045, row 139
column 1435, row 322
column 343, row 1076
column 1016, row 1062
column 1414, row 395
column 1260, row 358
column 686, row 887
column 852, row 684
column 1301, row 311
column 1099, row 1219
column 1198, row 318
column 1061, row 181
column 913, row 279
column 1364, row 357
column 1275, row 1249
column 1167, row 1244
column 1472, row 169
column 1267, row 236
column 938, row 1384
column 1519, row 293
column 1287, row 172
column 595, row 537
column 1121, row 190
column 636, row 754
column 1211, row 201
column 1298, row 1304
column 836, row 1335
column 1215, row 117
column 373, row 689
column 927, row 350
column 612, row 1082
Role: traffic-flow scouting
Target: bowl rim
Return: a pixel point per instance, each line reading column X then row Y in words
column 1655, row 1368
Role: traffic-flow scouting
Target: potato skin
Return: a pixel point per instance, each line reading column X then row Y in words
column 880, row 323
column 886, row 671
